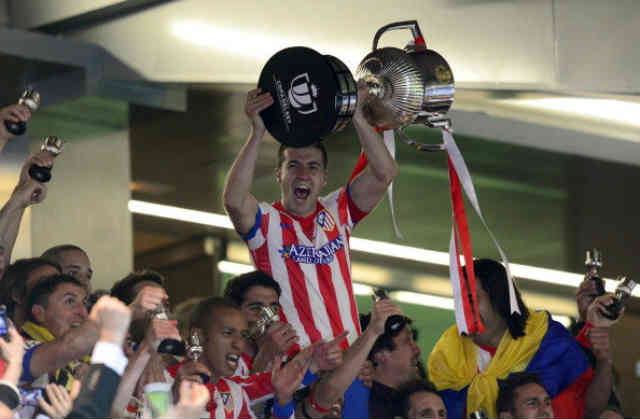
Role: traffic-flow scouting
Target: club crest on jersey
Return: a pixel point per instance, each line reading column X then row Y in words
column 314, row 255
column 225, row 396
column 325, row 220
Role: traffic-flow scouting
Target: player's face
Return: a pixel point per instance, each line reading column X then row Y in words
column 302, row 175
column 255, row 298
column 532, row 401
column 225, row 341
column 425, row 404
column 403, row 360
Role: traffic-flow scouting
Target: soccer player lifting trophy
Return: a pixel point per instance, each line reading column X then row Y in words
column 315, row 93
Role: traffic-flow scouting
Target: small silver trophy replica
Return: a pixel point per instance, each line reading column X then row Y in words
column 31, row 99
column 621, row 295
column 268, row 316
column 52, row 145
column 195, row 350
column 593, row 263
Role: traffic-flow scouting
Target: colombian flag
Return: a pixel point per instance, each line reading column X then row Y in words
column 547, row 349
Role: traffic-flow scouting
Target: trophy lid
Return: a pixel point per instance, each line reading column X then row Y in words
column 31, row 99
column 313, row 95
column 52, row 144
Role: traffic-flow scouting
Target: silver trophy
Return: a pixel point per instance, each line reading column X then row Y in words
column 620, row 296
column 407, row 86
column 593, row 264
column 31, row 99
column 52, row 145
column 268, row 316
column 195, row 350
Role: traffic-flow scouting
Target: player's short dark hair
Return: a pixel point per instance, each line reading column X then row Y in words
column 54, row 254
column 508, row 386
column 493, row 278
column 237, row 287
column 14, row 281
column 201, row 314
column 42, row 291
column 123, row 290
column 316, row 144
column 413, row 387
column 385, row 340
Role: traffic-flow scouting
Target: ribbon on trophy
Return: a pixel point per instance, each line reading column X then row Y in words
column 464, row 286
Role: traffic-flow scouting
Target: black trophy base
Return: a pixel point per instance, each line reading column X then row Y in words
column 16, row 128
column 172, row 347
column 40, row 173
column 613, row 308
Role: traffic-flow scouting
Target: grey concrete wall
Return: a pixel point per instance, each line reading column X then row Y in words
column 87, row 205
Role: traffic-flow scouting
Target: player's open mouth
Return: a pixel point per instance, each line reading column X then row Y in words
column 302, row 192
column 232, row 360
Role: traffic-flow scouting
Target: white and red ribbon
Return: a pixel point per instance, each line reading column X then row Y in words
column 464, row 291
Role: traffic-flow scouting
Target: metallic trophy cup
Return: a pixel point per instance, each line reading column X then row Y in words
column 621, row 295
column 52, row 145
column 31, row 99
column 268, row 316
column 593, row 264
column 413, row 85
column 195, row 350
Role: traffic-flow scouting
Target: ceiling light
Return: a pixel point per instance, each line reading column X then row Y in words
column 371, row 246
column 233, row 268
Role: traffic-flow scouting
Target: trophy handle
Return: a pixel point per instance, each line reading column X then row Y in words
column 419, row 146
column 407, row 24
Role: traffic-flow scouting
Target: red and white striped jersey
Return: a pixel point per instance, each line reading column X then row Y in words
column 310, row 259
column 245, row 363
column 232, row 397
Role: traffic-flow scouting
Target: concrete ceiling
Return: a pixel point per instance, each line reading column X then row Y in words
column 500, row 52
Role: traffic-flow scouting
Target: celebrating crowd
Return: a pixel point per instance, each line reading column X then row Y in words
column 285, row 340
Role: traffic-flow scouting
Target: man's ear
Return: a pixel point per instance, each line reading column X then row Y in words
column 326, row 177
column 277, row 171
column 38, row 313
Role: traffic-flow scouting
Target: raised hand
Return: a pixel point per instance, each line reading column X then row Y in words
column 147, row 300
column 255, row 103
column 277, row 339
column 112, row 317
column 158, row 330
column 328, row 355
column 597, row 307
column 29, row 191
column 12, row 352
column 60, row 401
column 193, row 397
column 382, row 310
column 13, row 113
column 288, row 378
